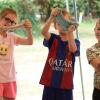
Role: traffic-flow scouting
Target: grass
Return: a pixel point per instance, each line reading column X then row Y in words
column 86, row 29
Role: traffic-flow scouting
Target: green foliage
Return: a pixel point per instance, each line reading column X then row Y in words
column 82, row 6
column 95, row 8
column 5, row 4
column 42, row 8
column 25, row 9
column 58, row 3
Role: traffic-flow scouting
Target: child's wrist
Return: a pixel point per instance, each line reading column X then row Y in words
column 70, row 32
column 52, row 17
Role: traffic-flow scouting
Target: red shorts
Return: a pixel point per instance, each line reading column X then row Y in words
column 8, row 90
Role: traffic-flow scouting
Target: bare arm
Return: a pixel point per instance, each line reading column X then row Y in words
column 45, row 30
column 71, row 40
column 46, row 27
column 96, row 64
column 29, row 39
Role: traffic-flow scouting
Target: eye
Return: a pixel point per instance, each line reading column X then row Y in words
column 1, row 49
column 98, row 29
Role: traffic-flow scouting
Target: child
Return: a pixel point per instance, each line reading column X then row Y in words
column 93, row 55
column 8, row 18
column 57, row 76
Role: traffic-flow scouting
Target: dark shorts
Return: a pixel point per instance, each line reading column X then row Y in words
column 50, row 93
column 96, row 94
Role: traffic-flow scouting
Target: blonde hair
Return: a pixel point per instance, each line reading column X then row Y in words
column 6, row 11
column 98, row 22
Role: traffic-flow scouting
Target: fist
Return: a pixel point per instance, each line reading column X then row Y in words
column 27, row 24
column 55, row 11
column 71, row 28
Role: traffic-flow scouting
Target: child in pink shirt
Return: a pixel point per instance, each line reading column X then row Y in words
column 8, row 40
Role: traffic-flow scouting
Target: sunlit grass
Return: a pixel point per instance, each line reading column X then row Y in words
column 86, row 28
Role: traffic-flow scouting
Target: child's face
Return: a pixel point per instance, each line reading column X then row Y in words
column 97, row 31
column 9, row 20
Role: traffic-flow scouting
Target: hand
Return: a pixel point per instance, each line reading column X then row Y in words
column 71, row 28
column 98, row 68
column 27, row 24
column 55, row 12
column 96, row 64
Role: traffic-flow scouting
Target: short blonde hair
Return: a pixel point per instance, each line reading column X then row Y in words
column 6, row 11
column 98, row 21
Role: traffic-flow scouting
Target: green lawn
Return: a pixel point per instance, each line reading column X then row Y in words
column 86, row 29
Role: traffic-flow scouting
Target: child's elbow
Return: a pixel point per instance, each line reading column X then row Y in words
column 30, row 42
column 73, row 50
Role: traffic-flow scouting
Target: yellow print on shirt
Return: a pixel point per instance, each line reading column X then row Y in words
column 4, row 49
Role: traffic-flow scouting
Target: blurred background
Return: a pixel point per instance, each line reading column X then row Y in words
column 30, row 60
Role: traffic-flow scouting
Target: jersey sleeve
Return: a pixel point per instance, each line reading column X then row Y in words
column 77, row 53
column 48, row 43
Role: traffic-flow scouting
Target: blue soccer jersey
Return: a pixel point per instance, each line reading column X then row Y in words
column 59, row 68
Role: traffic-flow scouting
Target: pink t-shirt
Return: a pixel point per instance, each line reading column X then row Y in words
column 7, row 67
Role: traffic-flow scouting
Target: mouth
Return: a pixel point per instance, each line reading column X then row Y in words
column 98, row 34
column 5, row 25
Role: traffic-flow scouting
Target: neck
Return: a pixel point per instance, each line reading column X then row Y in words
column 99, row 42
column 63, row 37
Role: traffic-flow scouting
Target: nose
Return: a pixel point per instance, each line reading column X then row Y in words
column 8, row 23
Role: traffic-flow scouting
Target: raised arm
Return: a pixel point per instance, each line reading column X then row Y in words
column 71, row 40
column 29, row 39
column 46, row 27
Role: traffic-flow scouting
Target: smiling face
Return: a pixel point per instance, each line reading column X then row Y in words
column 9, row 20
column 8, row 17
column 97, row 30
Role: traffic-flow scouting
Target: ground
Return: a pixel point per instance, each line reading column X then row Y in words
column 30, row 61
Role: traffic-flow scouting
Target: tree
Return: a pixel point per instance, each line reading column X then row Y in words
column 44, row 8
column 94, row 7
